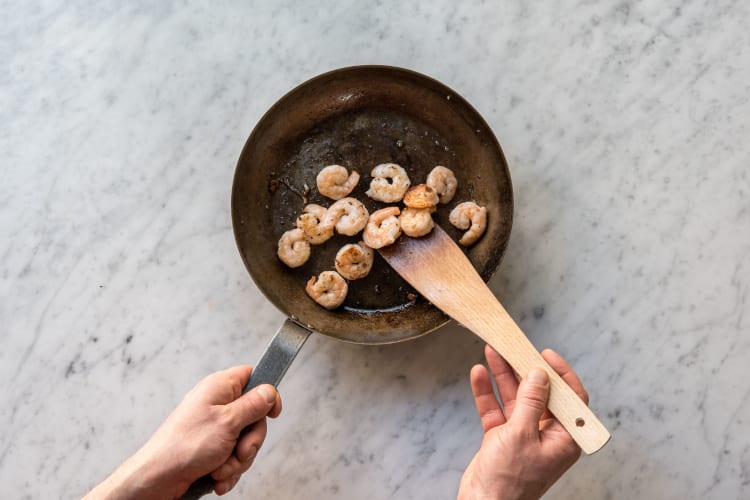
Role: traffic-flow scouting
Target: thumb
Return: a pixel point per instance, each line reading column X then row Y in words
column 531, row 399
column 252, row 406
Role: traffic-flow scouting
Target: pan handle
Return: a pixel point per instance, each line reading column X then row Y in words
column 272, row 366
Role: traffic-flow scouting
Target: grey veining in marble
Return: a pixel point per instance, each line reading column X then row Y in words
column 627, row 129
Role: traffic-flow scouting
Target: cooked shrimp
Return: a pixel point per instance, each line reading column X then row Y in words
column 469, row 215
column 328, row 289
column 383, row 228
column 294, row 250
column 389, row 183
column 354, row 261
column 444, row 182
column 348, row 215
column 311, row 223
column 421, row 196
column 416, row 222
column 335, row 182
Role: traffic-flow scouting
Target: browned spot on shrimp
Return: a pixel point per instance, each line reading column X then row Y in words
column 328, row 289
column 354, row 261
column 421, row 196
column 311, row 223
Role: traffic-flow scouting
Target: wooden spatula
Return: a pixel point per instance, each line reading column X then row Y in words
column 440, row 271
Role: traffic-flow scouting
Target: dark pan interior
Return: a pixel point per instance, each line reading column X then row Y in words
column 360, row 117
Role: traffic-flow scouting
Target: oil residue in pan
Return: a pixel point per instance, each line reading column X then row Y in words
column 359, row 140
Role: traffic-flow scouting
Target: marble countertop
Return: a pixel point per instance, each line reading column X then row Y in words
column 626, row 129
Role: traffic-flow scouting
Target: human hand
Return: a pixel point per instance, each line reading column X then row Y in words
column 525, row 449
column 203, row 435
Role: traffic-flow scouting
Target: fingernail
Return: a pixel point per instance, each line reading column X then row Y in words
column 268, row 393
column 538, row 376
column 221, row 487
column 251, row 454
column 234, row 483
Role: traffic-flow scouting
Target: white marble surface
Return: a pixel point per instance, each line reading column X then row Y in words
column 626, row 126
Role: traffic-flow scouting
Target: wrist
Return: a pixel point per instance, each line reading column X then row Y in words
column 473, row 488
column 139, row 477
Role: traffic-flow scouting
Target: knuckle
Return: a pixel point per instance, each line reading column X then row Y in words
column 253, row 438
column 235, row 385
column 246, row 465
column 256, row 406
column 227, row 418
column 223, row 472
column 491, row 413
column 536, row 399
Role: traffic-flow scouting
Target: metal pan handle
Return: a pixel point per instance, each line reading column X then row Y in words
column 272, row 366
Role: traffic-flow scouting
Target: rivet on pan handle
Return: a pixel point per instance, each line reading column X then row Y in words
column 271, row 368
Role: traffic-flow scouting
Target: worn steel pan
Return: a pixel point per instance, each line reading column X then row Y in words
column 359, row 117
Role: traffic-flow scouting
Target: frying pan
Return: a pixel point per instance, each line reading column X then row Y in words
column 358, row 117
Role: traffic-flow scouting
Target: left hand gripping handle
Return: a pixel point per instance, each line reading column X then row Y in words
column 273, row 364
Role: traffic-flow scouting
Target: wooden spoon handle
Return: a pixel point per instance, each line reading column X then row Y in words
column 440, row 271
column 492, row 323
